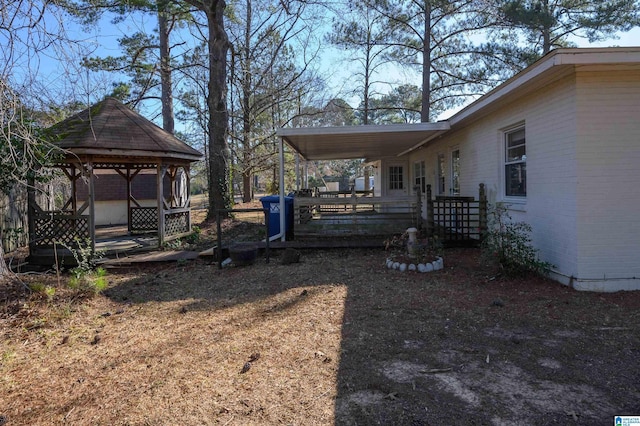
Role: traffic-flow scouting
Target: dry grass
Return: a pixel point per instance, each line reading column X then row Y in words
column 340, row 339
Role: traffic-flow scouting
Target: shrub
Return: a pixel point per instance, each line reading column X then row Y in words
column 43, row 290
column 509, row 244
column 86, row 276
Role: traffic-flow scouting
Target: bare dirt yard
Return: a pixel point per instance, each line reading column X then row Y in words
column 334, row 339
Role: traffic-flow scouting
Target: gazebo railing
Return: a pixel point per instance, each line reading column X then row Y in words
column 56, row 227
column 143, row 219
column 176, row 221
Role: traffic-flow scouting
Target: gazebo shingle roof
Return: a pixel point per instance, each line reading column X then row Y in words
column 111, row 128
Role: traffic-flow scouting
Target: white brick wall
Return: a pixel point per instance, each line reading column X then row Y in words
column 583, row 168
column 549, row 118
column 609, row 185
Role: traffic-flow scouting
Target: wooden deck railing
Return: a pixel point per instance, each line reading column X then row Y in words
column 348, row 216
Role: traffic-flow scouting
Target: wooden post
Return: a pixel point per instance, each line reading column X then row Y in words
column 92, row 207
column 129, row 216
column 418, row 207
column 354, row 199
column 482, row 213
column 160, row 171
column 75, row 174
column 430, row 221
column 187, row 170
column 31, row 214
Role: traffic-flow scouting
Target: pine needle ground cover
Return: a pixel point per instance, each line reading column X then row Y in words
column 334, row 339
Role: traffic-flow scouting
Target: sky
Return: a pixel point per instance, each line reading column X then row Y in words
column 102, row 41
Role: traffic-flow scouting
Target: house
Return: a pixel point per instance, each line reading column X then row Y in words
column 559, row 143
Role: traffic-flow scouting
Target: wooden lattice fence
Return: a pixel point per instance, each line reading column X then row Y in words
column 457, row 221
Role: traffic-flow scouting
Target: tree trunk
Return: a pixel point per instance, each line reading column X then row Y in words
column 546, row 31
column 426, row 65
column 216, row 102
column 4, row 269
column 246, row 108
column 165, row 70
column 247, row 193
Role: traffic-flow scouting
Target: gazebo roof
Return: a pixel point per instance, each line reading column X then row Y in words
column 111, row 129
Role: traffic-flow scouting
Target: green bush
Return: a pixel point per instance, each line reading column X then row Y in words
column 509, row 244
column 86, row 277
column 43, row 290
column 194, row 237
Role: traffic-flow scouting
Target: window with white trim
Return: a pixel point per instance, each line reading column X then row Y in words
column 515, row 163
column 396, row 178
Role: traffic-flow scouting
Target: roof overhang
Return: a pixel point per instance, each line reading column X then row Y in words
column 369, row 142
column 555, row 65
column 372, row 142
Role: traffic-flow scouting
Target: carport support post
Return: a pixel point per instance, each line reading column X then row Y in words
column 282, row 206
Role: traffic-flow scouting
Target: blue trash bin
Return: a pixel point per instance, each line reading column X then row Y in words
column 272, row 204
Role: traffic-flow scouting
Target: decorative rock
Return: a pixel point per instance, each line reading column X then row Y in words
column 436, row 265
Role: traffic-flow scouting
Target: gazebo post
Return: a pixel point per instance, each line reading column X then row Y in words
column 160, row 182
column 74, row 188
column 92, row 206
column 187, row 170
column 128, row 177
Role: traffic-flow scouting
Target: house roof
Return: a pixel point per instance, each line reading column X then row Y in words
column 369, row 142
column 555, row 65
column 373, row 142
column 111, row 129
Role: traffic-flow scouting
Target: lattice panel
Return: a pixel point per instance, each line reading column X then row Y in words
column 60, row 229
column 176, row 223
column 144, row 219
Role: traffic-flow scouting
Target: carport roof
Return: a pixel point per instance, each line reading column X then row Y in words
column 370, row 142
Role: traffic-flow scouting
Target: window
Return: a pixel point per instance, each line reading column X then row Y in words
column 441, row 175
column 455, row 172
column 419, row 177
column 396, row 180
column 515, row 164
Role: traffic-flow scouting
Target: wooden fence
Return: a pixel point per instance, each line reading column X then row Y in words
column 14, row 227
column 13, row 219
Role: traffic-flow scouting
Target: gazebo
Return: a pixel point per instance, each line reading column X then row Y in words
column 122, row 169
